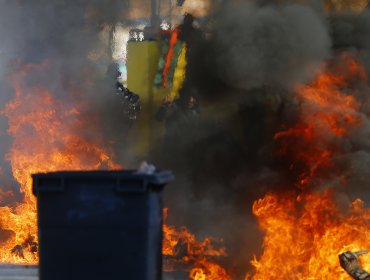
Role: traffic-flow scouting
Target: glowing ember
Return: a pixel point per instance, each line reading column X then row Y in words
column 45, row 138
column 304, row 233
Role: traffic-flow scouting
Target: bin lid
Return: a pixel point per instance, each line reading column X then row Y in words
column 54, row 181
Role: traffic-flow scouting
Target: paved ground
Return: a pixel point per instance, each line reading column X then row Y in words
column 12, row 272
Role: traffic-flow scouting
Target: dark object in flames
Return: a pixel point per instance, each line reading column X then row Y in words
column 130, row 101
column 29, row 244
column 100, row 225
column 349, row 262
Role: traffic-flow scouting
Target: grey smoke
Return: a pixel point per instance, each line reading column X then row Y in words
column 270, row 45
column 351, row 32
column 61, row 34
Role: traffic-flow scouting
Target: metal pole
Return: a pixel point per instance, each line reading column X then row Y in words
column 153, row 19
column 170, row 13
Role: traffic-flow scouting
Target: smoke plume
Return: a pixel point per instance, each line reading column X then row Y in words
column 244, row 71
column 270, row 45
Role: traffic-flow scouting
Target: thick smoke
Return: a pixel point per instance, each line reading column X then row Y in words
column 258, row 46
column 245, row 73
column 66, row 37
column 351, row 33
column 57, row 47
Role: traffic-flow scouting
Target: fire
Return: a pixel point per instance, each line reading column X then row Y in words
column 46, row 137
column 305, row 234
column 305, row 230
column 46, row 134
column 328, row 114
column 181, row 248
column 207, row 270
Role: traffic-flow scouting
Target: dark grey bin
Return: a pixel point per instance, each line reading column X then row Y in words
column 100, row 225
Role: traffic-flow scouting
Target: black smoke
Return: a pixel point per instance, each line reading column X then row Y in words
column 244, row 72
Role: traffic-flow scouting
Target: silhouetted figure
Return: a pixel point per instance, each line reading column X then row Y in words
column 188, row 32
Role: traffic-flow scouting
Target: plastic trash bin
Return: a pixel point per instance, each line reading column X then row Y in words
column 100, row 224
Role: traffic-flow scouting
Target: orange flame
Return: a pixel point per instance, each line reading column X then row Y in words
column 328, row 114
column 45, row 138
column 44, row 135
column 305, row 233
column 183, row 248
column 207, row 270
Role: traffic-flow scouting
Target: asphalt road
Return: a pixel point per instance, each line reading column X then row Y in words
column 13, row 272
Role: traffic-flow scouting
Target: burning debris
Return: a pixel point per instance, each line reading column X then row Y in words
column 349, row 262
column 182, row 251
column 205, row 269
column 29, row 244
